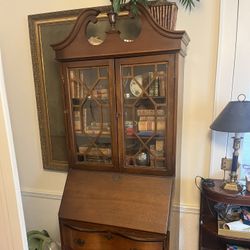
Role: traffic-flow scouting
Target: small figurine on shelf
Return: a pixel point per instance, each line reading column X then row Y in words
column 142, row 159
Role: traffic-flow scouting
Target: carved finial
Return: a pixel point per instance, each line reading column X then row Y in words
column 112, row 17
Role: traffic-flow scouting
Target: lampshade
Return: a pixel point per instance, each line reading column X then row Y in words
column 235, row 118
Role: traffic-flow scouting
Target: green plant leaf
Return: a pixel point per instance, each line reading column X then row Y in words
column 116, row 5
column 133, row 5
column 188, row 4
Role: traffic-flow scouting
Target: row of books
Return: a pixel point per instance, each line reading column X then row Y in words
column 102, row 151
column 100, row 93
column 82, row 125
column 151, row 120
column 79, row 90
column 156, row 81
column 157, row 84
column 150, row 112
column 148, row 123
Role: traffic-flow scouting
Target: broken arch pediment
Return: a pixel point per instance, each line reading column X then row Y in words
column 129, row 29
column 115, row 44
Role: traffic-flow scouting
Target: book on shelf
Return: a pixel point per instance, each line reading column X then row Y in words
column 77, row 85
column 157, row 84
column 77, row 121
column 150, row 112
column 94, row 128
column 235, row 229
column 95, row 131
column 157, row 148
column 77, row 90
column 95, row 151
column 100, row 93
column 161, row 79
column 147, row 123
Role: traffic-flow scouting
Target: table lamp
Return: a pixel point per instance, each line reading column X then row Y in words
column 234, row 118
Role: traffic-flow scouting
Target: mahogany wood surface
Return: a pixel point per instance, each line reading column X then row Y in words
column 122, row 200
column 152, row 39
column 95, row 240
column 218, row 194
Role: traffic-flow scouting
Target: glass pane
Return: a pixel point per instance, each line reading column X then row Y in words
column 89, row 89
column 145, row 114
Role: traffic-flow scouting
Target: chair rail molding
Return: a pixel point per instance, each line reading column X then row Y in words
column 52, row 195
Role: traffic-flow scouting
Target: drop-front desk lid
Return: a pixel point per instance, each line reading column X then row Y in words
column 123, row 200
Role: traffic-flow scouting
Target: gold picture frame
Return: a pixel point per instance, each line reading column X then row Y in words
column 46, row 29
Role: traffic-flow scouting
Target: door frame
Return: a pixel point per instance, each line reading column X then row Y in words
column 12, row 231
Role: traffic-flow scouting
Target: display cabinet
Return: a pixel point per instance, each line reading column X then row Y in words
column 122, row 89
column 127, row 126
column 212, row 195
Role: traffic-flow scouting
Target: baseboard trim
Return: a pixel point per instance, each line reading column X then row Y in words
column 44, row 194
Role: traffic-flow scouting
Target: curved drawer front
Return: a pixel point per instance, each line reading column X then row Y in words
column 94, row 240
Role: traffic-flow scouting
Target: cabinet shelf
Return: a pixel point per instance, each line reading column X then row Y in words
column 93, row 135
column 132, row 98
column 77, row 102
column 144, row 136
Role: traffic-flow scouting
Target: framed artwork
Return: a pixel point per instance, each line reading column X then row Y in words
column 47, row 29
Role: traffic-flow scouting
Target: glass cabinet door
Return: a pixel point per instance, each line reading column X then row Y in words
column 90, row 97
column 146, row 114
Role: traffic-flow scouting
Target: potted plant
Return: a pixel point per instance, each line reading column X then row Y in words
column 188, row 4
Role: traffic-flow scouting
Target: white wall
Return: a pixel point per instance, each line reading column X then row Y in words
column 42, row 189
column 233, row 75
column 200, row 65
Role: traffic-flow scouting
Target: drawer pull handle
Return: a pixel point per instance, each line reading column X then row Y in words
column 133, row 248
column 79, row 242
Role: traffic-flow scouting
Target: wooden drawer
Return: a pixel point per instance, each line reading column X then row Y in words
column 86, row 239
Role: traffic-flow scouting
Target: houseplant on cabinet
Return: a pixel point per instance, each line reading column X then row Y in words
column 188, row 4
